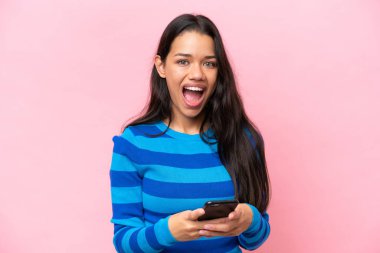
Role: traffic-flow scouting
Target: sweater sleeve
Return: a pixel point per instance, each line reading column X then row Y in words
column 131, row 233
column 257, row 233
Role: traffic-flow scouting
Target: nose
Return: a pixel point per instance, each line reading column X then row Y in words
column 196, row 72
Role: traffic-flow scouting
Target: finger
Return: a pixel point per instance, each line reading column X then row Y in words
column 201, row 224
column 214, row 221
column 196, row 213
column 208, row 233
column 224, row 228
column 235, row 215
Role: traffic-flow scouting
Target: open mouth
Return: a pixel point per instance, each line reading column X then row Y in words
column 193, row 95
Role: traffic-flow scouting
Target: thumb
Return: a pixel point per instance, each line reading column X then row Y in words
column 196, row 213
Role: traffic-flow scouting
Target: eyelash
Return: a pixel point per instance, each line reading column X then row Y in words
column 181, row 61
column 213, row 64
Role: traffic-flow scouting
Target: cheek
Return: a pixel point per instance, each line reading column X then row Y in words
column 173, row 83
column 175, row 72
column 212, row 79
column 175, row 78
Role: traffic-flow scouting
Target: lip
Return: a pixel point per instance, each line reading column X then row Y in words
column 198, row 85
column 188, row 103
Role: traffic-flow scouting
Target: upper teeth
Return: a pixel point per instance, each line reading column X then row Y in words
column 194, row 88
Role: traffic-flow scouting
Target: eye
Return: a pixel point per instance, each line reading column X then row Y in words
column 182, row 62
column 210, row 64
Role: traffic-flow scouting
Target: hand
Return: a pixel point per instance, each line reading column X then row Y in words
column 185, row 226
column 237, row 222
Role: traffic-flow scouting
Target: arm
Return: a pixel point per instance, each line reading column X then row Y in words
column 259, row 229
column 257, row 233
column 246, row 222
column 131, row 234
column 251, row 228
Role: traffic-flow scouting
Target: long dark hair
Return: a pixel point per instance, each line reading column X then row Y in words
column 240, row 144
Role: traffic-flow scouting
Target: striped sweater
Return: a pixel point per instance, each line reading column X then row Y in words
column 155, row 177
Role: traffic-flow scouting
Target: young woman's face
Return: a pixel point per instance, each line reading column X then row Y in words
column 190, row 70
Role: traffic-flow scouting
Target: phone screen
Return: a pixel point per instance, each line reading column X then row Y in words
column 218, row 209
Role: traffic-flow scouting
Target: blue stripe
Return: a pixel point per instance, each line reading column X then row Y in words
column 250, row 137
column 117, row 227
column 165, row 205
column 168, row 145
column 126, row 211
column 208, row 245
column 266, row 216
column 145, row 130
column 133, row 242
column 130, row 222
column 143, row 243
column 256, row 243
column 142, row 156
column 121, row 163
column 253, row 143
column 259, row 229
column 235, row 250
column 152, row 239
column 187, row 190
column 126, row 195
column 124, row 178
column 172, row 145
column 118, row 240
column 254, row 232
column 153, row 217
column 180, row 175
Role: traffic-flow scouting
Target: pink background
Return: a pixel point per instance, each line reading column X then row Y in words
column 72, row 72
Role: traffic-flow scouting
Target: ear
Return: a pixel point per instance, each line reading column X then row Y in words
column 160, row 66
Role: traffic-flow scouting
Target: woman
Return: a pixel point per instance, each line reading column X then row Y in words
column 194, row 143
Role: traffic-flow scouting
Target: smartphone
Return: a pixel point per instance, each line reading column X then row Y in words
column 218, row 209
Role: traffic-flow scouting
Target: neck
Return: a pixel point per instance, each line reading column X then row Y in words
column 186, row 125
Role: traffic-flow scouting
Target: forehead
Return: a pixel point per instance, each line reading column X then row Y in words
column 194, row 43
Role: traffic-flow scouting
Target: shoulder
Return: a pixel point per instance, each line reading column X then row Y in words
column 128, row 142
column 143, row 129
column 251, row 137
column 133, row 131
column 126, row 135
column 136, row 134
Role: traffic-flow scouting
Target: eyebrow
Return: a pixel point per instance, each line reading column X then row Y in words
column 189, row 55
